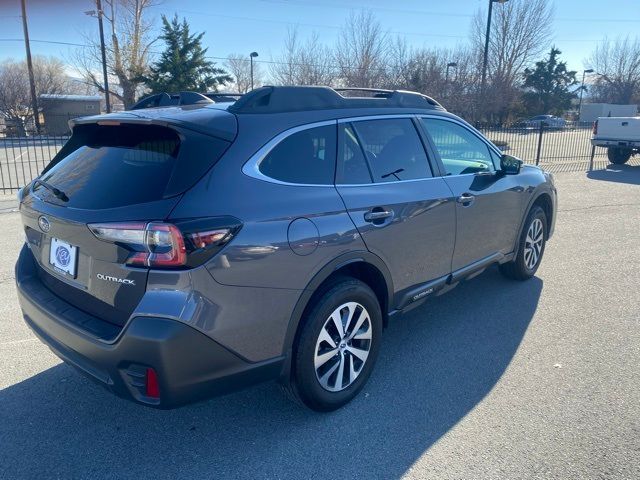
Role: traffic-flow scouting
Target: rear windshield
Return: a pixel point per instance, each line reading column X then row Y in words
column 114, row 166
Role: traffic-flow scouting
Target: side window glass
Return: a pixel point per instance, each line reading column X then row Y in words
column 393, row 149
column 307, row 157
column 352, row 166
column 461, row 151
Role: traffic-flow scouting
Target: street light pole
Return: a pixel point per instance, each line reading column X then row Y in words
column 590, row 70
column 446, row 77
column 252, row 55
column 32, row 82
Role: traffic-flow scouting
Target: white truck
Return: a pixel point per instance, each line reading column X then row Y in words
column 619, row 135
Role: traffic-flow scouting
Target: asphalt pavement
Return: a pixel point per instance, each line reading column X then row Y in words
column 495, row 379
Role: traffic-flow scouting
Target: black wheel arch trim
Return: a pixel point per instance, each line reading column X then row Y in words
column 527, row 210
column 349, row 258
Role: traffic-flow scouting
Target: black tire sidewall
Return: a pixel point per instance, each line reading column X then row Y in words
column 304, row 378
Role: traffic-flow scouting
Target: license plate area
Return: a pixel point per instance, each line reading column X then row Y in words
column 63, row 257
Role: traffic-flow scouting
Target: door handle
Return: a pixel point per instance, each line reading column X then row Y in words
column 466, row 199
column 377, row 215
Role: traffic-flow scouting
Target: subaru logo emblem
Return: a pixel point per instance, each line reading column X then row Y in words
column 44, row 224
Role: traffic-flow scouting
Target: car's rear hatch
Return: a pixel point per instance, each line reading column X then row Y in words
column 111, row 170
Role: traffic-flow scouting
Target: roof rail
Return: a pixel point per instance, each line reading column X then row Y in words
column 272, row 99
column 171, row 99
column 222, row 97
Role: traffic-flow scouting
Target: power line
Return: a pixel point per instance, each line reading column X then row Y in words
column 313, row 25
column 367, row 7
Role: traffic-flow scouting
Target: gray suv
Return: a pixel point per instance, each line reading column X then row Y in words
column 173, row 253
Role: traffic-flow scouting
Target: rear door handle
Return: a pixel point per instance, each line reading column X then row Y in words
column 466, row 199
column 375, row 216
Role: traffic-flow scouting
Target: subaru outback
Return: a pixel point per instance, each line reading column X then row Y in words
column 182, row 251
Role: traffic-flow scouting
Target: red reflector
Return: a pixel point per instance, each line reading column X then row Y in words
column 153, row 388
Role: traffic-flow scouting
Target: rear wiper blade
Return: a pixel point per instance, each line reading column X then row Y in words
column 57, row 192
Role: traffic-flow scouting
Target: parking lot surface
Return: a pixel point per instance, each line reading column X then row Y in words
column 495, row 379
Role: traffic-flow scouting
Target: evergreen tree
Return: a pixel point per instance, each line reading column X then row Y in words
column 547, row 86
column 183, row 65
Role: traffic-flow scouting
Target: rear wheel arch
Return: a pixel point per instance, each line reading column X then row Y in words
column 362, row 265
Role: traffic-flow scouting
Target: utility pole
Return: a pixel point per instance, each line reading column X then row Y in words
column 104, row 57
column 486, row 42
column 32, row 82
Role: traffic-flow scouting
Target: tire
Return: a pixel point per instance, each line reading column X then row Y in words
column 310, row 350
column 619, row 156
column 523, row 266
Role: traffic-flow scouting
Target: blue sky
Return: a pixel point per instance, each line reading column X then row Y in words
column 243, row 26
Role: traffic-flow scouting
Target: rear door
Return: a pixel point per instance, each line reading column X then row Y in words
column 488, row 204
column 403, row 212
column 129, row 174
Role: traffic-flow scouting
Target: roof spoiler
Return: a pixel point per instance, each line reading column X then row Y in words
column 171, row 99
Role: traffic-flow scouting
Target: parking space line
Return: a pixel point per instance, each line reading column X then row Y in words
column 17, row 342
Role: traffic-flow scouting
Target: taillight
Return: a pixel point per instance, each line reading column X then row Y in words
column 595, row 127
column 165, row 245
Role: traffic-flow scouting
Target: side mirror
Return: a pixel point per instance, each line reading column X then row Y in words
column 510, row 165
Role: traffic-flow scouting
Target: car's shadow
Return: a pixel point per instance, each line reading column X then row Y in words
column 617, row 173
column 437, row 363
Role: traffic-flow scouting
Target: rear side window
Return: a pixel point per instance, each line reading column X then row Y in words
column 393, row 149
column 306, row 157
column 115, row 166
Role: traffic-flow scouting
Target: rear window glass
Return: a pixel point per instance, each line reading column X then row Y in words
column 306, row 157
column 115, row 166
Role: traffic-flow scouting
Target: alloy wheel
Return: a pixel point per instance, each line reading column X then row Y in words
column 343, row 346
column 533, row 243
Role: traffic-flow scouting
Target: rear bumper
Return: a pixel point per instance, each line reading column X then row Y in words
column 597, row 142
column 190, row 365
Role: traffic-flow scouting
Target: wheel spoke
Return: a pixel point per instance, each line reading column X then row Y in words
column 358, row 352
column 339, row 376
column 324, row 357
column 337, row 321
column 361, row 319
column 352, row 370
column 324, row 379
column 366, row 335
column 351, row 310
column 325, row 337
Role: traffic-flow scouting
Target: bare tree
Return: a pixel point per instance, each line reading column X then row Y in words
column 128, row 41
column 303, row 63
column 520, row 32
column 239, row 67
column 15, row 99
column 362, row 50
column 618, row 66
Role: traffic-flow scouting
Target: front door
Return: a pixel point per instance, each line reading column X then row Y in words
column 405, row 215
column 488, row 204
